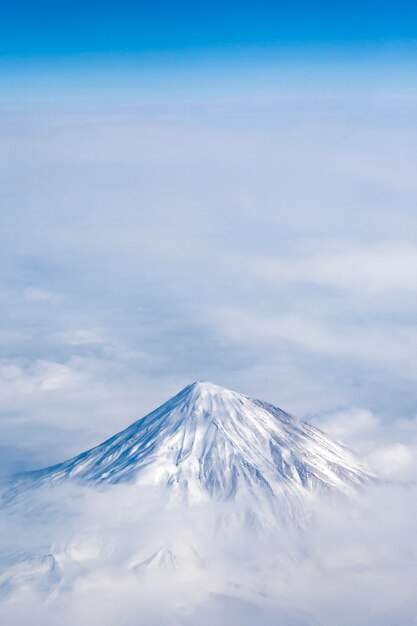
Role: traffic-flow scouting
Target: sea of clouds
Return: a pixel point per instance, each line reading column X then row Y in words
column 267, row 246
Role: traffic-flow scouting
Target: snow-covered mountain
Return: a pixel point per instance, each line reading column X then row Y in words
column 208, row 442
column 212, row 500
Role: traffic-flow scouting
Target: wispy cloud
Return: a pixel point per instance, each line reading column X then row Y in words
column 372, row 270
column 266, row 246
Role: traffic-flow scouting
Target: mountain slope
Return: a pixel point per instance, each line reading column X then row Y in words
column 208, row 442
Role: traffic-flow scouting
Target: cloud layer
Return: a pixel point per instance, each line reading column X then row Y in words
column 269, row 247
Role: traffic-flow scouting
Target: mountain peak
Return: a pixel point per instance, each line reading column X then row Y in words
column 205, row 386
column 202, row 389
column 208, row 441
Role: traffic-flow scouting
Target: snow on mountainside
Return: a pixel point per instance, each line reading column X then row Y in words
column 208, row 442
column 255, row 473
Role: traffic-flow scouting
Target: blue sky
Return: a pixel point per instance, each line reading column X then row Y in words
column 51, row 28
column 135, row 50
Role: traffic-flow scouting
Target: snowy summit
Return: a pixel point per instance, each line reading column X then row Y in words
column 208, row 442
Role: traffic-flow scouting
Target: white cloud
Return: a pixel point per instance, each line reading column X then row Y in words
column 394, row 346
column 394, row 461
column 38, row 377
column 386, row 268
column 119, row 554
column 349, row 425
column 389, row 446
column 81, row 336
column 41, row 295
